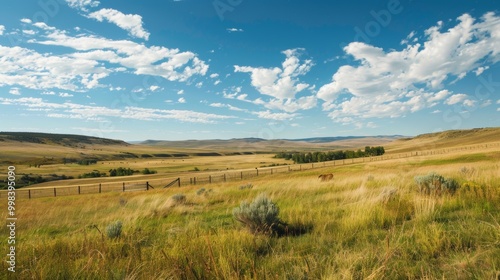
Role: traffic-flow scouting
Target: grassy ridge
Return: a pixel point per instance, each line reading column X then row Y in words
column 369, row 223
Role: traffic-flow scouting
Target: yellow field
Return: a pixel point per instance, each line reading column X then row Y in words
column 370, row 222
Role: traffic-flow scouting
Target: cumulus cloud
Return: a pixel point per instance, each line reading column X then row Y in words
column 181, row 100
column 34, row 70
column 131, row 23
column 2, row 30
column 393, row 83
column 281, row 84
column 65, row 95
column 456, row 98
column 93, row 58
column 15, row 91
column 154, row 88
column 82, row 5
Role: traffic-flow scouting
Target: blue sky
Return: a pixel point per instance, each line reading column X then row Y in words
column 187, row 69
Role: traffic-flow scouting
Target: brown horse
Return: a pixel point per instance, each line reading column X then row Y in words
column 325, row 177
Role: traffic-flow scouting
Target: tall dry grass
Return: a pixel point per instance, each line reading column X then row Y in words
column 370, row 222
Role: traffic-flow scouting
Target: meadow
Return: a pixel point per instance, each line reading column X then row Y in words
column 370, row 222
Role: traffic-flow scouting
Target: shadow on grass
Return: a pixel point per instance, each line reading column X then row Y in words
column 297, row 229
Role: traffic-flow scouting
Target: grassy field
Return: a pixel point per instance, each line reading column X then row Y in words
column 370, row 222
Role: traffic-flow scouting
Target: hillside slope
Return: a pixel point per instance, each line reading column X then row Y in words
column 445, row 139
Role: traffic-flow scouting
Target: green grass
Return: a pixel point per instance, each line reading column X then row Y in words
column 370, row 222
column 469, row 158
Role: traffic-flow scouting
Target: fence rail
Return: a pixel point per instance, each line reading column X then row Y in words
column 206, row 178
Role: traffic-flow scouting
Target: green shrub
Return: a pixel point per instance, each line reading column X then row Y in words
column 260, row 216
column 178, row 198
column 114, row 230
column 200, row 191
column 247, row 186
column 434, row 183
column 147, row 171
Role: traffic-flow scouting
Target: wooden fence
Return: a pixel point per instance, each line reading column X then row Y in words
column 221, row 176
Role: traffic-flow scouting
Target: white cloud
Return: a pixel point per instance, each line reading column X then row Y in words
column 292, row 105
column 154, row 88
column 214, row 75
column 217, row 82
column 30, row 69
column 48, row 93
column 131, row 23
column 26, row 20
column 180, row 92
column 82, row 4
column 65, row 94
column 456, row 98
column 15, row 91
column 199, row 85
column 181, row 100
column 29, row 32
column 280, row 83
column 480, row 70
column 230, row 30
column 393, row 83
column 230, row 107
column 82, row 69
column 43, row 26
column 2, row 29
column 100, row 113
column 274, row 116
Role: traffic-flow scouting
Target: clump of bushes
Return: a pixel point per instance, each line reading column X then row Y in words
column 147, row 171
column 114, row 230
column 179, row 198
column 93, row 174
column 200, row 191
column 260, row 216
column 434, row 183
column 121, row 171
column 246, row 186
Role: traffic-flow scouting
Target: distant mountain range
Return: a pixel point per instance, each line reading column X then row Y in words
column 274, row 145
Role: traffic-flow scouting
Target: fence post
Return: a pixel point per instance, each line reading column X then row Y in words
column 55, row 192
column 123, row 186
column 99, row 187
column 147, row 186
column 210, row 179
column 194, row 180
column 224, row 177
column 190, row 181
column 271, row 171
column 78, row 189
column 241, row 175
column 179, row 182
column 257, row 171
column 288, row 168
column 29, row 194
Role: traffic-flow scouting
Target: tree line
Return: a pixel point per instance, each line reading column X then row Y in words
column 303, row 157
